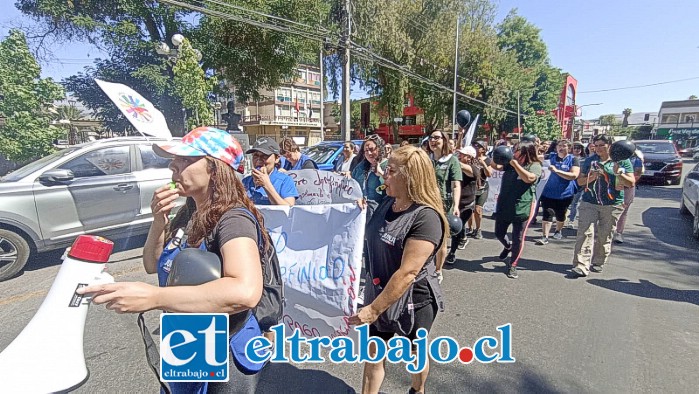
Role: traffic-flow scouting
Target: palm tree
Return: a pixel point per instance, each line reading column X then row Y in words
column 625, row 122
column 70, row 113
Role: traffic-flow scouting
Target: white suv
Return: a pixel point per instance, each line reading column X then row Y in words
column 102, row 187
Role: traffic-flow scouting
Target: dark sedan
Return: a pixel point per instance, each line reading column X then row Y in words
column 661, row 161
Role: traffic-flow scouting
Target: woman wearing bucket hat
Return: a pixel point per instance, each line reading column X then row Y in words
column 267, row 185
column 218, row 217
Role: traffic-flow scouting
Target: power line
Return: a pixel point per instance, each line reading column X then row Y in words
column 639, row 86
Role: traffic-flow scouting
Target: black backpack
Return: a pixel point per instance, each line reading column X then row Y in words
column 269, row 310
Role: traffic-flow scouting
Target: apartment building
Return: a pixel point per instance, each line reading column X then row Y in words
column 292, row 109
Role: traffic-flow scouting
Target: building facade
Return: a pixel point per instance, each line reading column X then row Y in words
column 566, row 110
column 292, row 109
column 679, row 121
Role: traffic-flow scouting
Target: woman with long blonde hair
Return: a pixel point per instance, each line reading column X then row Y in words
column 406, row 231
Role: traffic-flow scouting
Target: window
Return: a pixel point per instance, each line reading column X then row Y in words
column 105, row 161
column 669, row 118
column 150, row 160
column 409, row 120
column 302, row 75
column 692, row 117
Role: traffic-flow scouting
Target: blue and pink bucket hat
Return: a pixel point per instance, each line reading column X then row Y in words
column 205, row 141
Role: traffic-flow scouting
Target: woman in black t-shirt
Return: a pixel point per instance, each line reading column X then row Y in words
column 403, row 237
column 471, row 173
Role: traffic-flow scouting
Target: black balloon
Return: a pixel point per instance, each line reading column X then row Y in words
column 455, row 224
column 502, row 155
column 463, row 118
column 528, row 137
column 622, row 150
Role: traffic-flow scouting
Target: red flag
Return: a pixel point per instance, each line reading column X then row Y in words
column 297, row 105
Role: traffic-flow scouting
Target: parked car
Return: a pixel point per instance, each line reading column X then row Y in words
column 689, row 202
column 325, row 153
column 661, row 161
column 102, row 188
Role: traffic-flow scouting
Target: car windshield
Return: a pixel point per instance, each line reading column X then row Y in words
column 320, row 153
column 656, row 147
column 21, row 172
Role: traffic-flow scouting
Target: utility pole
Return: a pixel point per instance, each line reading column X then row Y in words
column 322, row 86
column 456, row 77
column 345, row 108
column 519, row 125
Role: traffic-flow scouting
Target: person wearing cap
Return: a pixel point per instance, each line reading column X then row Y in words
column 483, row 188
column 295, row 160
column 266, row 185
column 469, row 184
column 218, row 217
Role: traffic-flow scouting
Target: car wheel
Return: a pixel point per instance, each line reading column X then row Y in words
column 695, row 228
column 676, row 181
column 14, row 253
column 683, row 208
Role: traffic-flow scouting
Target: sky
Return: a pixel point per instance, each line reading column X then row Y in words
column 604, row 44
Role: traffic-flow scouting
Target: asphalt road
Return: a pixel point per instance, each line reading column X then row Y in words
column 633, row 328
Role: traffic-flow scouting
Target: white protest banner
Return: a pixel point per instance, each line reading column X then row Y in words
column 324, row 187
column 320, row 254
column 139, row 111
column 494, row 186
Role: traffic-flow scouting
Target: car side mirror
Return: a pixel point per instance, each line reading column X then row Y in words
column 56, row 176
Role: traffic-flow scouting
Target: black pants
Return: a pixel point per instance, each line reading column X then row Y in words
column 464, row 215
column 501, row 227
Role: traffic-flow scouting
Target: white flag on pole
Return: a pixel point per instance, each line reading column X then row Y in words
column 470, row 133
column 139, row 111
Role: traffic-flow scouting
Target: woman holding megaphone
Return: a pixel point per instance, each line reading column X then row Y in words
column 218, row 218
column 515, row 205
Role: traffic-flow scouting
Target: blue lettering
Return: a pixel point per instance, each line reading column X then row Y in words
column 337, row 273
column 342, row 350
column 420, row 346
column 254, row 346
column 452, row 350
column 279, row 346
column 315, row 344
column 365, row 341
column 280, row 243
column 506, row 344
column 295, row 350
column 399, row 350
column 303, row 273
column 479, row 353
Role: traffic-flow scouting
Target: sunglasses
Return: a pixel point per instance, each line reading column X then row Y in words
column 436, row 137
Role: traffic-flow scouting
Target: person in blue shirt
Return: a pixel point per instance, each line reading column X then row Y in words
column 295, row 160
column 560, row 189
column 267, row 185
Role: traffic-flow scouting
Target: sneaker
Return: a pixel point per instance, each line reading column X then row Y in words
column 557, row 235
column 618, row 238
column 505, row 252
column 596, row 268
column 578, row 272
column 451, row 259
column 512, row 273
column 569, row 224
column 542, row 241
column 469, row 232
column 477, row 234
column 463, row 243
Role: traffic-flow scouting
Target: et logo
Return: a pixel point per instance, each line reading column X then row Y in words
column 194, row 347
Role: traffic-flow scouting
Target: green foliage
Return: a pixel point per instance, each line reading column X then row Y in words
column 626, row 113
column 608, row 120
column 28, row 133
column 544, row 126
column 693, row 97
column 192, row 86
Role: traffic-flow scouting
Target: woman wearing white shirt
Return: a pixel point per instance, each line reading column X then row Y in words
column 344, row 161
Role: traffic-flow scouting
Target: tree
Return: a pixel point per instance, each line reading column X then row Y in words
column 28, row 133
column 608, row 120
column 193, row 87
column 248, row 57
column 692, row 97
column 627, row 113
column 69, row 112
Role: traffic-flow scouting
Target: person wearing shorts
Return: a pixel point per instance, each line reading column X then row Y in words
column 474, row 222
column 559, row 191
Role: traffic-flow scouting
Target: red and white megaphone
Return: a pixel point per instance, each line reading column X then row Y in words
column 47, row 356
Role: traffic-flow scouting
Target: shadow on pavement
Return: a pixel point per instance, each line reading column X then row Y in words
column 475, row 266
column 51, row 258
column 286, row 378
column 668, row 226
column 659, row 192
column 648, row 289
